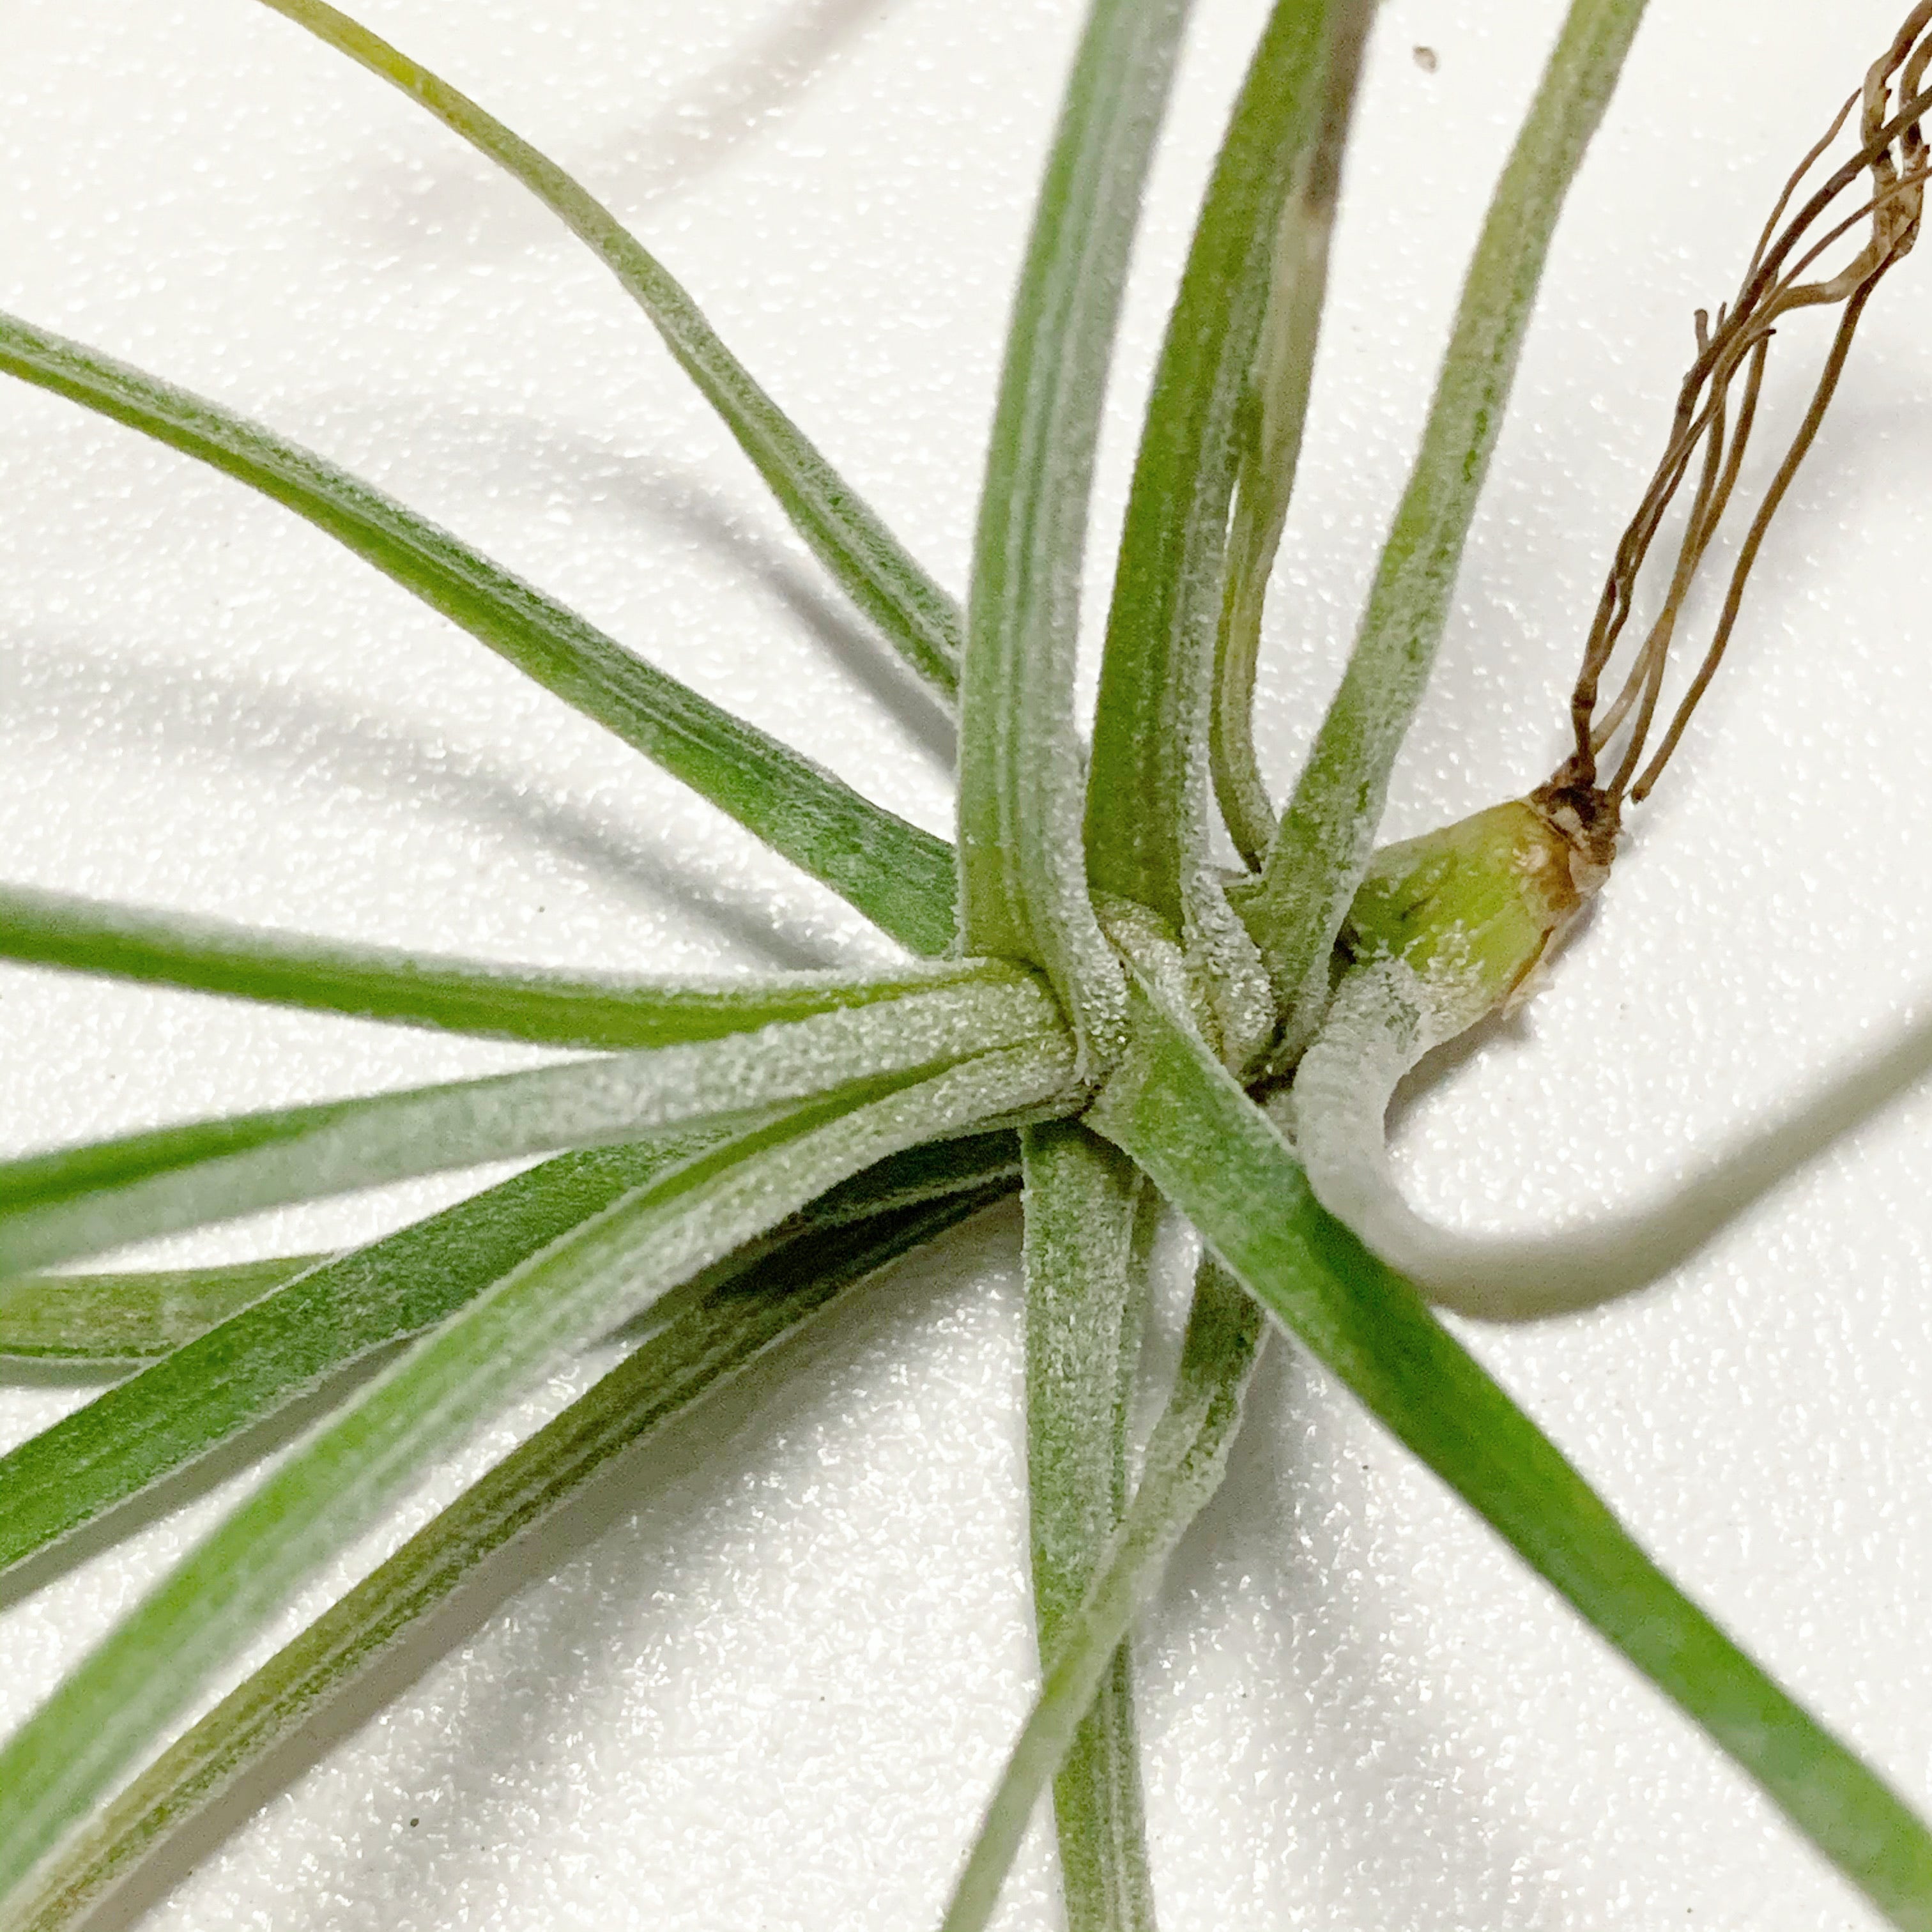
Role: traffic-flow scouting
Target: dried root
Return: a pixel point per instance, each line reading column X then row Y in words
column 1718, row 409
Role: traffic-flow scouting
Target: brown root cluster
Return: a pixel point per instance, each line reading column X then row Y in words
column 1718, row 409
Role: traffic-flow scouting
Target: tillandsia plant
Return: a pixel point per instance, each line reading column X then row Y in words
column 1138, row 987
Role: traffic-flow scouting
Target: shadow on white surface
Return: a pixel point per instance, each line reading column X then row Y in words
column 1400, row 1808
column 461, row 207
column 541, row 461
column 306, row 740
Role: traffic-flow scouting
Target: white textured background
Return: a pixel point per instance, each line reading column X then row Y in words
column 764, row 1681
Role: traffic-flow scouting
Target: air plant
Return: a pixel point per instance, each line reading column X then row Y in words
column 1099, row 1010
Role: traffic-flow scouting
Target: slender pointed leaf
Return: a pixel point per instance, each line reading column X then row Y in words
column 86, row 1736
column 544, row 1007
column 758, row 1307
column 80, row 1201
column 1187, row 1456
column 870, row 564
column 901, row 878
column 1085, row 1291
column 1328, row 831
column 1268, row 444
column 1146, row 808
column 1217, row 1158
column 117, row 1318
column 297, row 1339
column 1022, row 883
column 934, row 1170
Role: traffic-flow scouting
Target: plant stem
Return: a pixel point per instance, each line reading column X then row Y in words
column 1377, row 1028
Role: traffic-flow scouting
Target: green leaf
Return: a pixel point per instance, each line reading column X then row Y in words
column 870, row 564
column 1146, row 825
column 294, row 1341
column 759, row 1306
column 545, row 1007
column 124, row 1318
column 80, row 1201
column 1268, row 443
column 1187, row 1456
column 1328, row 831
column 1086, row 1289
column 1022, row 883
column 930, row 1171
column 1216, row 1156
column 85, row 1738
column 901, row 878
column 297, row 1339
